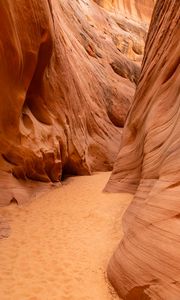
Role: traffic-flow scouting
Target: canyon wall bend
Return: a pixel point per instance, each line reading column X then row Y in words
column 67, row 78
column 146, row 264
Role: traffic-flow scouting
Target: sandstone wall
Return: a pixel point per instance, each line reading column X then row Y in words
column 136, row 9
column 65, row 91
column 146, row 264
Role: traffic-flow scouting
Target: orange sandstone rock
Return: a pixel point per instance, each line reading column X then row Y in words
column 146, row 264
column 65, row 92
column 133, row 18
column 135, row 9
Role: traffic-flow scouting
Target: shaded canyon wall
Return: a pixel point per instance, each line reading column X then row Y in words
column 66, row 87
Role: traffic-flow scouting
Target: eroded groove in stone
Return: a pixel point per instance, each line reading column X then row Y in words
column 62, row 107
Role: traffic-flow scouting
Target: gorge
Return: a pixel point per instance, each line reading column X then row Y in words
column 80, row 96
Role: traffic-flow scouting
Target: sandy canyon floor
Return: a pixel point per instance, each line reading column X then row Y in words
column 61, row 242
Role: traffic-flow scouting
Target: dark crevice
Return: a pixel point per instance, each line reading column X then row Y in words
column 13, row 202
column 35, row 99
column 131, row 72
column 138, row 293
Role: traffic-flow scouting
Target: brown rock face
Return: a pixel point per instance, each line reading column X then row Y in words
column 66, row 87
column 133, row 18
column 146, row 264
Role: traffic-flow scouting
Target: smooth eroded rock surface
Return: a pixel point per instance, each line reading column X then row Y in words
column 66, row 84
column 136, row 9
column 146, row 264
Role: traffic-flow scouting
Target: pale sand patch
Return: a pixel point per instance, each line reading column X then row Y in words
column 61, row 242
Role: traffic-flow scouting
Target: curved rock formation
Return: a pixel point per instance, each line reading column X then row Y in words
column 135, row 9
column 146, row 264
column 133, row 18
column 65, row 92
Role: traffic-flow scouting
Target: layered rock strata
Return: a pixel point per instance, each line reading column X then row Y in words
column 134, row 9
column 65, row 91
column 146, row 264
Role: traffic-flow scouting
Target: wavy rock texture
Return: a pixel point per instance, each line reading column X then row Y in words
column 65, row 91
column 133, row 18
column 146, row 264
column 135, row 9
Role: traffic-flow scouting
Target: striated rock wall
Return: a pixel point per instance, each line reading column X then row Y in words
column 146, row 264
column 66, row 87
column 135, row 9
column 133, row 18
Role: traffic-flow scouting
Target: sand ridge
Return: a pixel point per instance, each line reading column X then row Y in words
column 61, row 242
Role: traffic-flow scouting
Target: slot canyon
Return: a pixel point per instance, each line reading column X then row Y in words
column 90, row 150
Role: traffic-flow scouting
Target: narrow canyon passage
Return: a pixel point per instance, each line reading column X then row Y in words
column 61, row 242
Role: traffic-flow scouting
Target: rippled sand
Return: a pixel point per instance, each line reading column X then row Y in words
column 61, row 242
